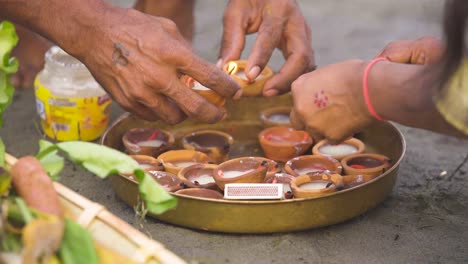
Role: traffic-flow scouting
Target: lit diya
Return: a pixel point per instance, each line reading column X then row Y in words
column 215, row 144
column 310, row 164
column 365, row 163
column 316, row 185
column 199, row 176
column 284, row 143
column 175, row 160
column 339, row 151
column 240, row 170
column 276, row 116
column 210, row 95
column 249, row 87
column 147, row 141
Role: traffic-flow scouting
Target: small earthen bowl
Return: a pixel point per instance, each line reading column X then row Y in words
column 210, row 95
column 249, row 87
column 147, row 141
column 316, row 185
column 365, row 163
column 283, row 178
column 215, row 144
column 201, row 192
column 353, row 145
column 175, row 160
column 148, row 163
column 284, row 143
column 273, row 166
column 311, row 164
column 240, row 170
column 276, row 116
column 167, row 180
column 199, row 176
column 350, row 181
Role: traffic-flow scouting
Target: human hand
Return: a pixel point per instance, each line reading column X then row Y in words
column 329, row 102
column 279, row 24
column 139, row 60
column 426, row 50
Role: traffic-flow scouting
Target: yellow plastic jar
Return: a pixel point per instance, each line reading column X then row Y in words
column 70, row 103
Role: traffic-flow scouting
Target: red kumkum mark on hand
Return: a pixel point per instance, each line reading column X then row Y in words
column 320, row 99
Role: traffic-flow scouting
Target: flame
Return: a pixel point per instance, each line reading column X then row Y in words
column 232, row 68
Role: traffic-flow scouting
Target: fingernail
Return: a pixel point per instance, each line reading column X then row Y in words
column 253, row 73
column 219, row 64
column 238, row 95
column 271, row 92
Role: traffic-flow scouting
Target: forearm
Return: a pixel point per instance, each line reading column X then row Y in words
column 404, row 93
column 66, row 23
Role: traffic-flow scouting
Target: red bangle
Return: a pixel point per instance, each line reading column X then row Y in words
column 365, row 88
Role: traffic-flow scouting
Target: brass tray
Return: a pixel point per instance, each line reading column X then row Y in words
column 271, row 216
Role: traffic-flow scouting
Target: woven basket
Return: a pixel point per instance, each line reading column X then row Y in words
column 109, row 230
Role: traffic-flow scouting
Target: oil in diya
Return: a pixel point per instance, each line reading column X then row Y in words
column 339, row 151
column 199, row 176
column 276, row 116
column 365, row 163
column 147, row 141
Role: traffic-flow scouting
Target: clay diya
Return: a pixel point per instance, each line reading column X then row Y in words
column 167, row 180
column 199, row 176
column 283, row 178
column 147, row 141
column 276, row 116
column 175, row 160
column 312, row 164
column 273, row 167
column 284, row 143
column 215, row 144
column 210, row 95
column 200, row 192
column 365, row 163
column 350, row 181
column 148, row 163
column 339, row 151
column 316, row 185
column 240, row 170
column 249, row 87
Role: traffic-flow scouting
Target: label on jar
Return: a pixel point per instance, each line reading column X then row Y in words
column 65, row 118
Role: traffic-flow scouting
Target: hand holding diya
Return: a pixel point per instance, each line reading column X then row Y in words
column 249, row 87
column 210, row 95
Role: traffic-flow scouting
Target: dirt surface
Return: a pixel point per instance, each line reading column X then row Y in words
column 425, row 219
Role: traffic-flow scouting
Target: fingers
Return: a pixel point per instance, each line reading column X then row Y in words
column 296, row 64
column 268, row 39
column 191, row 103
column 210, row 76
column 233, row 41
column 397, row 51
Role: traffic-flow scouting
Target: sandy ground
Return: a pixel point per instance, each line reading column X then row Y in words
column 425, row 220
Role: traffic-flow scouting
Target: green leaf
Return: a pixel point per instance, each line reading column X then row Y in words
column 8, row 40
column 2, row 153
column 156, row 198
column 8, row 66
column 100, row 160
column 77, row 245
column 49, row 158
column 24, row 210
column 104, row 161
